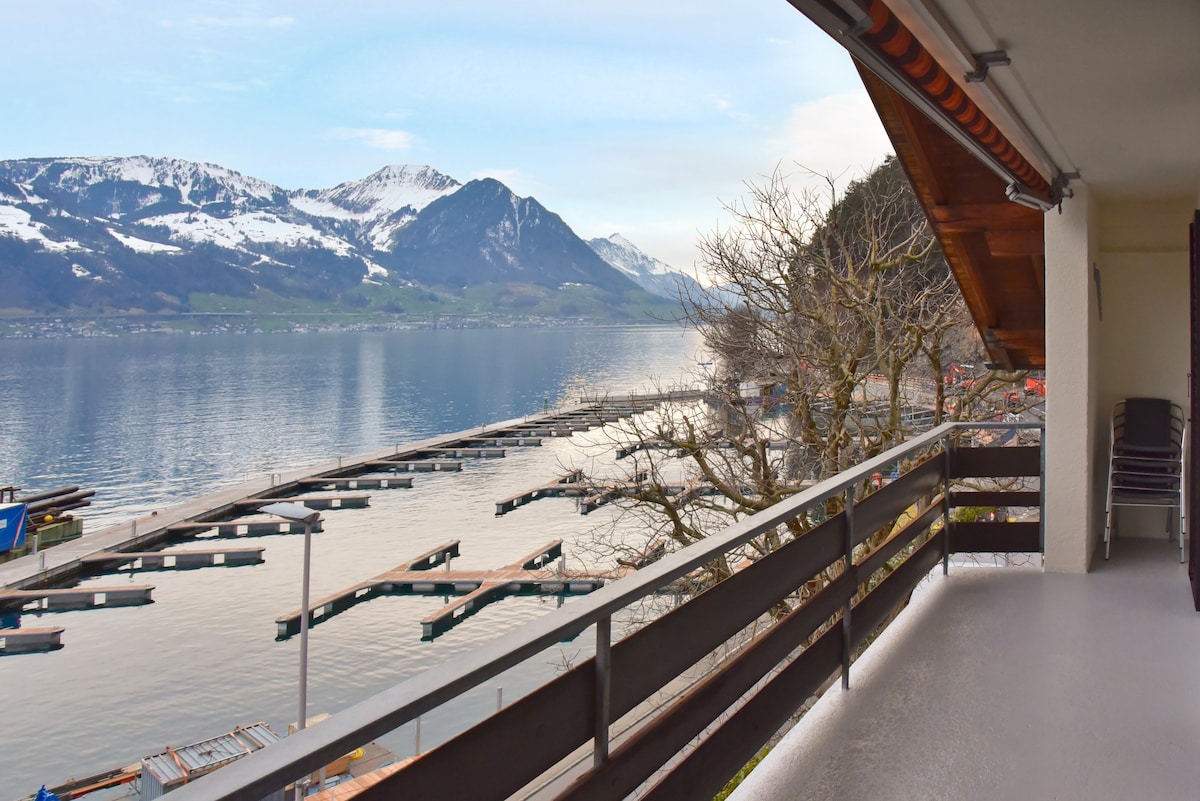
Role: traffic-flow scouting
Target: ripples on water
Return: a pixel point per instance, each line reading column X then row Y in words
column 151, row 421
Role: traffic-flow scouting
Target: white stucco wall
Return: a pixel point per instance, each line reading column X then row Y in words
column 1072, row 355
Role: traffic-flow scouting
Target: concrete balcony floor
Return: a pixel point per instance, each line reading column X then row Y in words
column 1012, row 683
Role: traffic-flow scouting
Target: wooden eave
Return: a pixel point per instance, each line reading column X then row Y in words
column 995, row 248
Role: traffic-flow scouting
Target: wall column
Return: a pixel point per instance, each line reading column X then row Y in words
column 1072, row 367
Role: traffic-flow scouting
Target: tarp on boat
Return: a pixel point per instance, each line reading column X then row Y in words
column 12, row 526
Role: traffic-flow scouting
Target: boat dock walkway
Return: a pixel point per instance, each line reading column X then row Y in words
column 44, row 579
column 526, row 576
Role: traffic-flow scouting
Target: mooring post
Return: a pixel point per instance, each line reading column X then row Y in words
column 417, row 745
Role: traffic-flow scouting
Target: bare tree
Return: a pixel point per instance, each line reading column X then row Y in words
column 830, row 319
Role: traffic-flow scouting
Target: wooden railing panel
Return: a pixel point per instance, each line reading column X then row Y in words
column 996, row 462
column 499, row 756
column 703, row 772
column 1024, row 537
column 872, row 610
column 894, row 544
column 881, row 508
column 638, row 758
column 652, row 656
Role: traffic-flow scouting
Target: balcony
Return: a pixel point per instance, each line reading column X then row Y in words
column 994, row 682
column 1013, row 683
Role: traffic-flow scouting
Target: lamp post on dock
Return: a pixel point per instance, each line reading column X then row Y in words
column 300, row 514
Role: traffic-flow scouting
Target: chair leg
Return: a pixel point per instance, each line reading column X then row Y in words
column 1108, row 515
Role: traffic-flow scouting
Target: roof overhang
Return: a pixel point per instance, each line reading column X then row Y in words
column 1104, row 91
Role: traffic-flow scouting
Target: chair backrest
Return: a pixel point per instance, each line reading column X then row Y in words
column 1147, row 422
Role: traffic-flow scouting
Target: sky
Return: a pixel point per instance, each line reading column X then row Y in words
column 635, row 117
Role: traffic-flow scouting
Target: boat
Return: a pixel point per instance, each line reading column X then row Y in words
column 160, row 773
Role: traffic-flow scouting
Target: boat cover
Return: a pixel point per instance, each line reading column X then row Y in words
column 12, row 526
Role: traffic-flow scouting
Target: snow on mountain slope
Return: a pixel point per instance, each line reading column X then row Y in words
column 197, row 183
column 143, row 245
column 382, row 203
column 18, row 223
column 648, row 272
column 236, row 232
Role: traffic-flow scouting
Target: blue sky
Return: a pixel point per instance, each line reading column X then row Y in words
column 634, row 117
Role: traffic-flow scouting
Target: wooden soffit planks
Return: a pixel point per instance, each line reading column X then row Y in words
column 995, row 248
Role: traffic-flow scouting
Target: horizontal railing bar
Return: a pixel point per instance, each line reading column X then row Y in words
column 996, row 498
column 1021, row 537
column 264, row 772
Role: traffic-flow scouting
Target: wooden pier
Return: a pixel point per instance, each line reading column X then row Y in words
column 593, row 502
column 416, row 465
column 238, row 528
column 338, row 501
column 75, row 598
column 503, row 442
column 108, row 561
column 565, row 485
column 460, row 452
column 30, row 641
column 527, row 576
column 359, row 482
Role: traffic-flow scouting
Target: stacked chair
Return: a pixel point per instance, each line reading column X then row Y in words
column 1146, row 461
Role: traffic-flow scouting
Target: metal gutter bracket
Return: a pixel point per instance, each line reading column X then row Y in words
column 984, row 62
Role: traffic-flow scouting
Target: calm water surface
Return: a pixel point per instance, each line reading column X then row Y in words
column 148, row 421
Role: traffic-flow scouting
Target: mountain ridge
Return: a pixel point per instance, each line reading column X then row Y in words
column 114, row 233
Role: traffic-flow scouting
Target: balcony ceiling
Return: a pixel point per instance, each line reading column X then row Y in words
column 1108, row 88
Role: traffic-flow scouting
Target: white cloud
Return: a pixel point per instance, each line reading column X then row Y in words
column 833, row 135
column 378, row 138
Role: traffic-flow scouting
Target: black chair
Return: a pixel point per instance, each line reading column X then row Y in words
column 1146, row 461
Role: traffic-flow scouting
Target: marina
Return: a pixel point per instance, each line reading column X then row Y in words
column 209, row 624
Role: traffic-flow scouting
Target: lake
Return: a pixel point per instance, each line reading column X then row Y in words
column 148, row 421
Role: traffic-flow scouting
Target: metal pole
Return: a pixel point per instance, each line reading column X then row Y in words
column 946, row 506
column 303, row 718
column 603, row 688
column 847, row 607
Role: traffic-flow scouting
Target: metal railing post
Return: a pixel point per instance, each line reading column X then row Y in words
column 849, row 601
column 946, row 505
column 603, row 688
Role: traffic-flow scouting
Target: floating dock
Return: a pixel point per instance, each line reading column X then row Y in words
column 108, row 561
column 565, row 485
column 527, row 576
column 75, row 598
column 30, row 641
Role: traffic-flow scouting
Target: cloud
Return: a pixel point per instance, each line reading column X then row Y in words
column 833, row 135
column 378, row 138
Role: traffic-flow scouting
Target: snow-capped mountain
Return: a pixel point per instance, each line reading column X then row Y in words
column 649, row 273
column 380, row 204
column 146, row 233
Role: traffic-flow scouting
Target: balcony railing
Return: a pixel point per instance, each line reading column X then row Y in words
column 693, row 745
